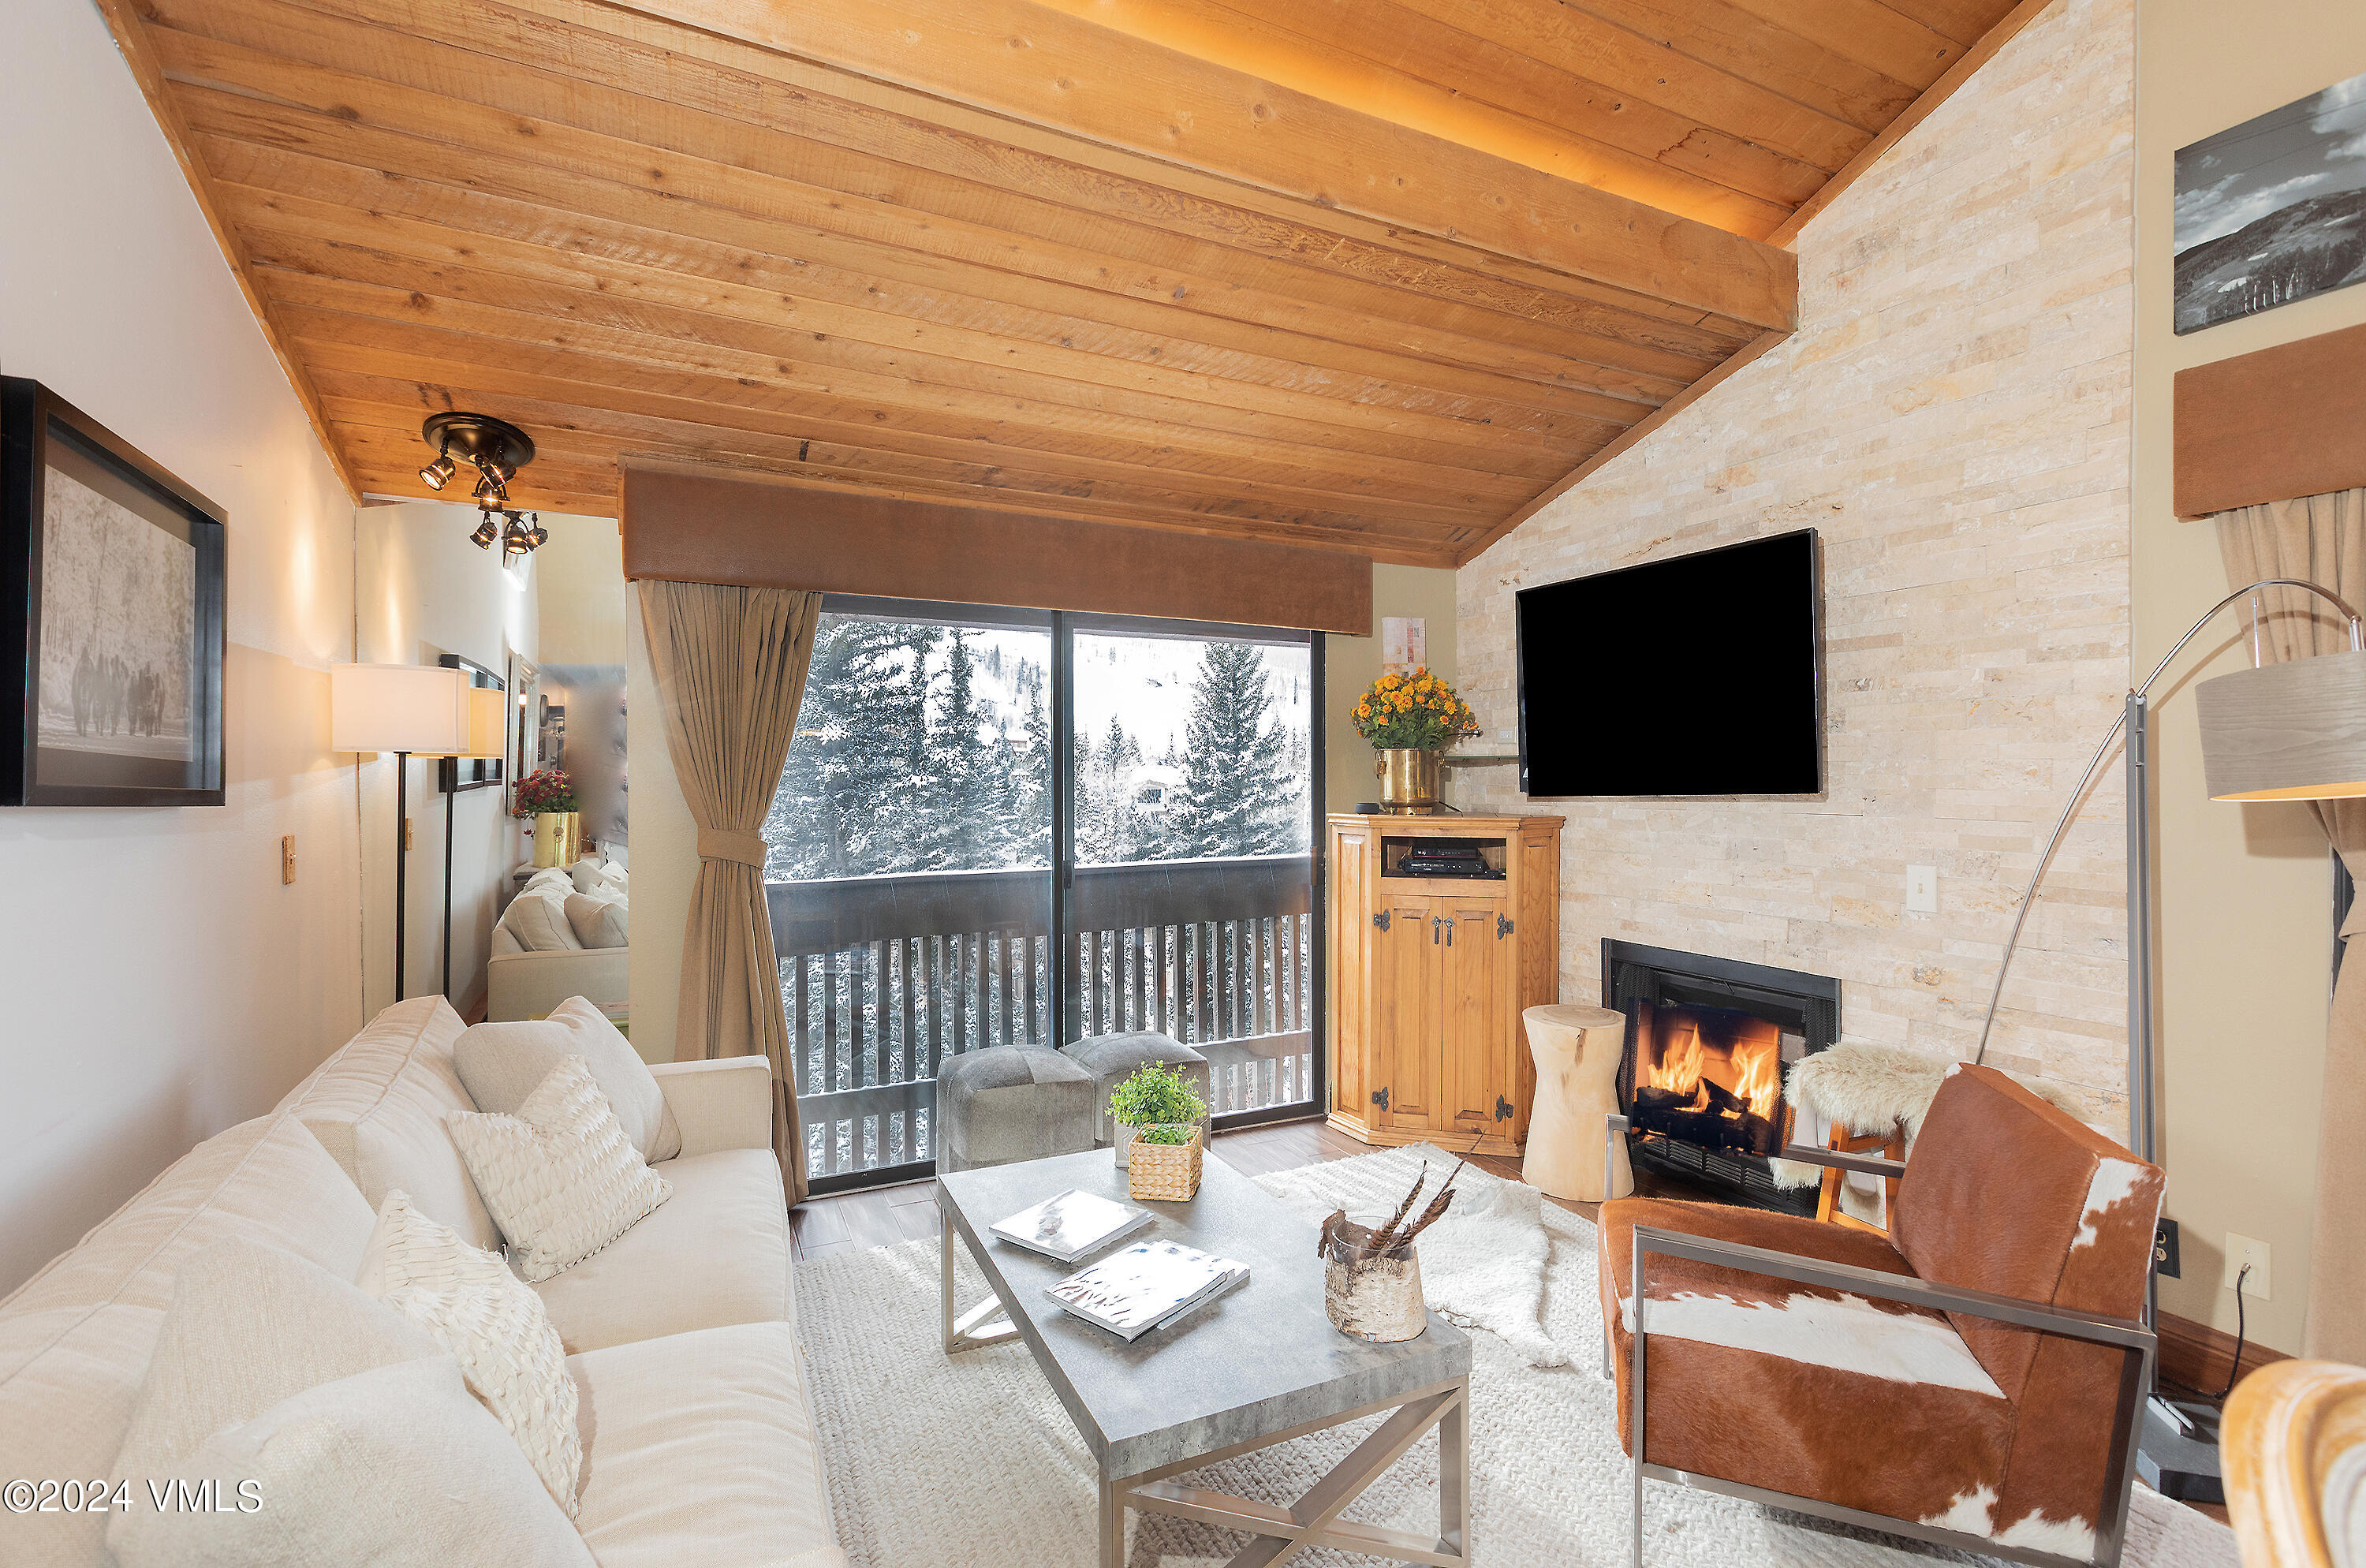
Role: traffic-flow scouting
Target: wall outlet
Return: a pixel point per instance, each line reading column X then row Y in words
column 2164, row 1250
column 1921, row 889
column 2242, row 1250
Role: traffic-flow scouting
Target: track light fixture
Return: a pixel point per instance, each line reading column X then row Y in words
column 496, row 449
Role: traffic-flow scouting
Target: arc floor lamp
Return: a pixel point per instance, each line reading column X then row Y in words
column 411, row 710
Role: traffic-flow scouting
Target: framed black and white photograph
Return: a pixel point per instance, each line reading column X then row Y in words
column 111, row 617
column 459, row 774
column 2272, row 210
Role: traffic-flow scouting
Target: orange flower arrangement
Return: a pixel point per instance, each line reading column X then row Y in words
column 1417, row 710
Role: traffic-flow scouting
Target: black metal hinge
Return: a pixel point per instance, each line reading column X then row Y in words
column 1503, row 928
column 1503, row 1109
column 1381, row 919
column 1380, row 1098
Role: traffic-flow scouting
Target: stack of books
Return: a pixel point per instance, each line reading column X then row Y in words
column 1068, row 1224
column 1149, row 1284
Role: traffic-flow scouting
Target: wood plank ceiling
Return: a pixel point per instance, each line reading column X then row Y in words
column 1371, row 275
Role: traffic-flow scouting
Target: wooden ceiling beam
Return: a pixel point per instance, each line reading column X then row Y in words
column 1052, row 70
column 232, row 91
column 1866, row 31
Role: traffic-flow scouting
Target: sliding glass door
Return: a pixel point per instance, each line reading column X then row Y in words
column 1016, row 827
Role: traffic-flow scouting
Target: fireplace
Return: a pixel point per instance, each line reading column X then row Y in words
column 1708, row 1041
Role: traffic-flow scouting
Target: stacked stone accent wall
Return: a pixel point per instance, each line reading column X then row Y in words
column 1952, row 415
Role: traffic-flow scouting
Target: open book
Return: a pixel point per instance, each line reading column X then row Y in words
column 1068, row 1224
column 1149, row 1283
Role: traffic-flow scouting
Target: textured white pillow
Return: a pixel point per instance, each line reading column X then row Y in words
column 560, row 1177
column 500, row 1063
column 585, row 873
column 395, row 1468
column 493, row 1322
column 539, row 923
column 601, row 920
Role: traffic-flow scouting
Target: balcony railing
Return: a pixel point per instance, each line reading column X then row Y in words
column 883, row 977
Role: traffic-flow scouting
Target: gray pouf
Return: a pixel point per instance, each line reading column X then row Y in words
column 1112, row 1058
column 1007, row 1103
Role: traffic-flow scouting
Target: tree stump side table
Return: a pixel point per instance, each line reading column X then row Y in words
column 1577, row 1051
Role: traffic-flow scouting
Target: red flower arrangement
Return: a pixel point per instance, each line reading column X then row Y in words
column 547, row 789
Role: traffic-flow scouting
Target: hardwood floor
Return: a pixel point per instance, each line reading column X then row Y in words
column 907, row 1213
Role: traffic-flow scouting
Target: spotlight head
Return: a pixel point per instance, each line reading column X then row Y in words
column 501, row 473
column 487, row 530
column 433, row 475
column 517, row 539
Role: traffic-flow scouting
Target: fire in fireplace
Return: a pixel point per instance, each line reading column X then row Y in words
column 1710, row 1076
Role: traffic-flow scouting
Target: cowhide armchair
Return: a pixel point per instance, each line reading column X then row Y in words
column 1973, row 1377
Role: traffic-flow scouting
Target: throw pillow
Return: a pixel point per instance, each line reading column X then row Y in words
column 539, row 923
column 601, row 919
column 585, row 873
column 493, row 1322
column 560, row 1178
column 395, row 1467
column 500, row 1063
column 248, row 1326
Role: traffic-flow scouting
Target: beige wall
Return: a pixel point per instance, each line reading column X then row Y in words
column 160, row 983
column 426, row 592
column 1352, row 663
column 580, row 579
column 2244, row 891
column 665, row 852
column 1953, row 416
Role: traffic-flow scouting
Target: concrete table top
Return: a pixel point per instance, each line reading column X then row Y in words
column 1254, row 1363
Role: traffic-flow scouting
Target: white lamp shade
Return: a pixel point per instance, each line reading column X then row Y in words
column 419, row 708
column 2290, row 731
column 488, row 722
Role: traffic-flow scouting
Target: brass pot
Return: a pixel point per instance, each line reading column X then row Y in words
column 555, row 837
column 1409, row 779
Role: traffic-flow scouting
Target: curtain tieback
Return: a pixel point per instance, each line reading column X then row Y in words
column 721, row 843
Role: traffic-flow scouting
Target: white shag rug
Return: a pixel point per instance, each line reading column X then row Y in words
column 970, row 1462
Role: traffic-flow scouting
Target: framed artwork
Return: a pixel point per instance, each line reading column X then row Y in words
column 524, row 704
column 459, row 774
column 111, row 627
column 2272, row 210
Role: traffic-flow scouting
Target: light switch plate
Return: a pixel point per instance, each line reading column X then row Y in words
column 1921, row 889
column 2243, row 1249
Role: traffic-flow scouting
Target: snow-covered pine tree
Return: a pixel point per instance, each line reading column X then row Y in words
column 1239, row 795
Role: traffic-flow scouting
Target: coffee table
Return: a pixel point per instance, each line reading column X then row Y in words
column 1259, row 1366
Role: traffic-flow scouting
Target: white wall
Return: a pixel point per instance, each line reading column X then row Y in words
column 158, row 982
column 665, row 852
column 427, row 591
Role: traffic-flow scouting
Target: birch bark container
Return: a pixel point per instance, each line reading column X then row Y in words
column 1371, row 1297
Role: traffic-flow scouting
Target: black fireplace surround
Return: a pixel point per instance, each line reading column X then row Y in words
column 1805, row 1008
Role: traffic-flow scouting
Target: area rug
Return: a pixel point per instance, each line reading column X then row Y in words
column 970, row 1462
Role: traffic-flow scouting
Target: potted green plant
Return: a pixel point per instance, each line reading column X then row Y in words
column 1157, row 1113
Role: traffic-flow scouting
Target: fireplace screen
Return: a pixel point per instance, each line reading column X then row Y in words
column 1710, row 1076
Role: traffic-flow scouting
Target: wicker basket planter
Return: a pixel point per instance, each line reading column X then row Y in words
column 1163, row 1172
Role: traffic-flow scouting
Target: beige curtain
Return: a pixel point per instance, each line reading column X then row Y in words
column 730, row 668
column 2322, row 539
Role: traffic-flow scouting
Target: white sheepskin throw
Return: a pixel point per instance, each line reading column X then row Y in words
column 1867, row 1089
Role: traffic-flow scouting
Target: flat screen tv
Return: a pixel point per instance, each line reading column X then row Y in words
column 1692, row 676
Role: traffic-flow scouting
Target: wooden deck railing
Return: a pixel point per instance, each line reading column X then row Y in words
column 883, row 977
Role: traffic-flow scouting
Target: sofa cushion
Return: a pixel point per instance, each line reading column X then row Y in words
column 397, row 1467
column 600, row 920
column 699, row 1449
column 249, row 1326
column 75, row 1339
column 560, row 1175
column 379, row 1105
column 538, row 920
column 492, row 1323
column 716, row 1253
column 500, row 1063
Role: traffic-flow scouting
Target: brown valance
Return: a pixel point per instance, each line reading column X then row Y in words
column 2285, row 422
column 706, row 526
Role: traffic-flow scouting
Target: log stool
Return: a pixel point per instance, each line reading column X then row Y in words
column 1577, row 1051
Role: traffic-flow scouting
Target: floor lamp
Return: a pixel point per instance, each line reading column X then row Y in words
column 2289, row 731
column 411, row 710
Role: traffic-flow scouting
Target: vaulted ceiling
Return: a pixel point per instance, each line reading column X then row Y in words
column 1372, row 275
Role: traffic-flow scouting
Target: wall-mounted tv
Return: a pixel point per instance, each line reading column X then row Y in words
column 1699, row 675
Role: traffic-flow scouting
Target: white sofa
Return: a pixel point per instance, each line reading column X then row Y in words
column 698, row 1435
column 521, row 983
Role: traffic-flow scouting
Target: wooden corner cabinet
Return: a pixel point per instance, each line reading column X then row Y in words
column 1430, row 973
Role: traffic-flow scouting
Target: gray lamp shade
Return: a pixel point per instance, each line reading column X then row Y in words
column 2290, row 731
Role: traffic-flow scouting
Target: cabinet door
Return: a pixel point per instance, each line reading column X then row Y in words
column 1475, row 993
column 1407, row 1059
